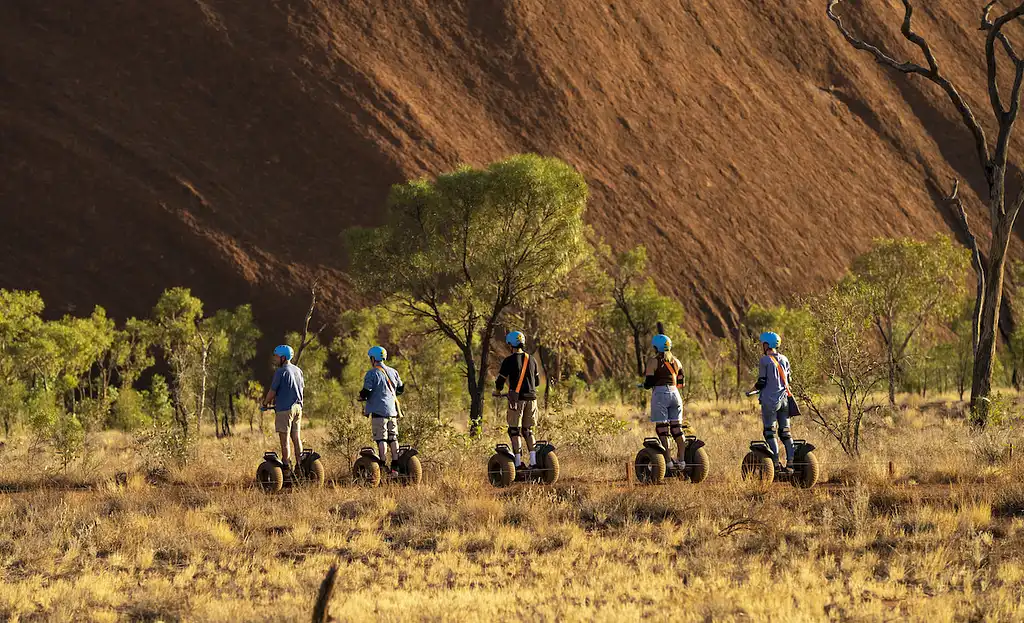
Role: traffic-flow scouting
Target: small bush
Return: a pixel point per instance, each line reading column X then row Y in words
column 128, row 412
column 582, row 429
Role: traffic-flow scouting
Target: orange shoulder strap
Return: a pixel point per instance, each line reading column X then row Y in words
column 673, row 369
column 522, row 374
column 782, row 375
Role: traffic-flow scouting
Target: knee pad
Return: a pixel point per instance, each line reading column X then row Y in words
column 392, row 439
column 769, row 433
column 526, row 431
column 380, row 441
column 513, row 431
column 677, row 430
column 784, row 433
column 661, row 429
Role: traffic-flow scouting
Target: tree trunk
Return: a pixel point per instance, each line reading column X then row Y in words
column 739, row 356
column 637, row 350
column 476, row 424
column 476, row 397
column 985, row 356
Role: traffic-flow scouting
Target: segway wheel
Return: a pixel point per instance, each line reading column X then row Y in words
column 270, row 477
column 313, row 473
column 413, row 472
column 699, row 466
column 649, row 467
column 550, row 469
column 758, row 467
column 501, row 470
column 806, row 472
column 366, row 472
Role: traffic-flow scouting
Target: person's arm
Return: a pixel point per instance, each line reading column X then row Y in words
column 275, row 385
column 399, row 385
column 536, row 373
column 762, row 375
column 649, row 369
column 367, row 390
column 499, row 383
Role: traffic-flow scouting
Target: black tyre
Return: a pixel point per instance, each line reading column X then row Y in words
column 366, row 472
column 550, row 469
column 649, row 467
column 757, row 466
column 806, row 472
column 312, row 473
column 699, row 466
column 270, row 477
column 413, row 472
column 501, row 470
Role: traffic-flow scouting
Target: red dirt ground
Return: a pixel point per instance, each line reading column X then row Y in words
column 224, row 145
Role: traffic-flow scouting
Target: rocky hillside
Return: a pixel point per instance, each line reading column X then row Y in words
column 224, row 145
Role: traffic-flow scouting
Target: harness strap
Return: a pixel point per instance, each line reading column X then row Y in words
column 387, row 379
column 782, row 375
column 522, row 374
column 673, row 370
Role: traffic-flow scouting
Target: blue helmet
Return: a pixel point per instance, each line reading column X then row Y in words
column 661, row 343
column 771, row 338
column 377, row 353
column 284, row 351
column 516, row 339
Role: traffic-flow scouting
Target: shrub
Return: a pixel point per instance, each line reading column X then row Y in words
column 129, row 411
column 582, row 429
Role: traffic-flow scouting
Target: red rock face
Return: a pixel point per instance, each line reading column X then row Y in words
column 224, row 145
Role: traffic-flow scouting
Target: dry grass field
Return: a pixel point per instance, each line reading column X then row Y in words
column 942, row 539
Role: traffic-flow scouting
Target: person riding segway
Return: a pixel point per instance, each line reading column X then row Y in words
column 506, row 466
column 778, row 406
column 381, row 388
column 664, row 377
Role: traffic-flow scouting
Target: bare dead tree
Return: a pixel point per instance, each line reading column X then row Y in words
column 307, row 337
column 993, row 161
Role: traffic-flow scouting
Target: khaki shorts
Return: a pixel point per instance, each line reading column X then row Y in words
column 524, row 415
column 288, row 421
column 384, row 428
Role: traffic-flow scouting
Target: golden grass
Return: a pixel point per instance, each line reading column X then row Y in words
column 942, row 541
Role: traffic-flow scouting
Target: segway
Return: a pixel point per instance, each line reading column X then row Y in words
column 502, row 470
column 651, row 463
column 759, row 464
column 370, row 470
column 271, row 477
column 309, row 471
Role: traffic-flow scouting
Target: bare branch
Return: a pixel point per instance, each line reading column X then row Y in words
column 932, row 73
column 306, row 339
column 906, row 67
column 976, row 260
column 987, row 24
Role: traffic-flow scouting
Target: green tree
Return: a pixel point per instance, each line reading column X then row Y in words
column 908, row 284
column 20, row 320
column 233, row 337
column 461, row 249
column 182, row 338
column 636, row 305
column 721, row 357
column 557, row 324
